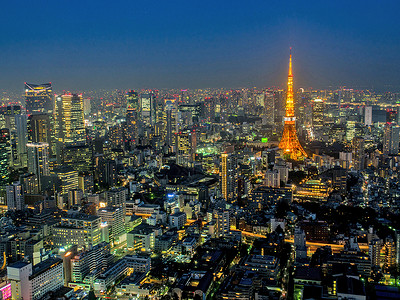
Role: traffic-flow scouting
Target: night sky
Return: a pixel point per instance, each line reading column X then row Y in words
column 83, row 45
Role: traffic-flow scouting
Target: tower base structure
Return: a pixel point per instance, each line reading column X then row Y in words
column 290, row 144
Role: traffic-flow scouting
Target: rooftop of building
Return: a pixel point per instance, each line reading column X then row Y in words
column 80, row 216
column 143, row 228
column 45, row 265
column 133, row 218
column 135, row 279
column 117, row 189
column 109, row 209
column 195, row 280
column 350, row 285
column 178, row 214
column 308, row 273
column 19, row 265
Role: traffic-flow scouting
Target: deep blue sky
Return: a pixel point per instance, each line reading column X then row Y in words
column 82, row 45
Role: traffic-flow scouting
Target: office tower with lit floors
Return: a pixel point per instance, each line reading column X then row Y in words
column 69, row 119
column 38, row 97
column 147, row 109
column 5, row 155
column 186, row 148
column 68, row 178
column 70, row 133
column 132, row 111
column 38, row 160
column 40, row 129
column 317, row 113
column 289, row 143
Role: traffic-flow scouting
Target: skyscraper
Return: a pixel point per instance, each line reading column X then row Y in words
column 358, row 153
column 21, row 138
column 70, row 134
column 391, row 137
column 39, row 97
column 132, row 110
column 185, row 147
column 317, row 113
column 70, row 126
column 228, row 176
column 38, row 159
column 147, row 108
column 368, row 116
column 289, row 142
column 40, row 129
column 5, row 155
column 170, row 111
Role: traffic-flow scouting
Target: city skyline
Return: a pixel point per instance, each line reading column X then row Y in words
column 120, row 45
column 200, row 150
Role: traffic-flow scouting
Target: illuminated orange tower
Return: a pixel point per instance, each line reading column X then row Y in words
column 290, row 143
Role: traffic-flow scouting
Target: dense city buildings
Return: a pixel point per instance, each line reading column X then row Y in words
column 247, row 193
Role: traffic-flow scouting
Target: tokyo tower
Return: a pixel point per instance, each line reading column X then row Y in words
column 289, row 142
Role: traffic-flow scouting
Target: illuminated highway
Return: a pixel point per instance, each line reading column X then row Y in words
column 334, row 247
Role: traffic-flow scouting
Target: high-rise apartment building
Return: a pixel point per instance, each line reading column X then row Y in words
column 38, row 97
column 374, row 252
column 223, row 221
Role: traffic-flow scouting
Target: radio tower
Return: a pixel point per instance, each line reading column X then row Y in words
column 290, row 143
